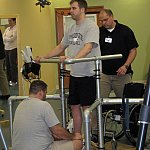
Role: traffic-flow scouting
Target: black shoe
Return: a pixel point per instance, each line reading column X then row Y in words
column 4, row 97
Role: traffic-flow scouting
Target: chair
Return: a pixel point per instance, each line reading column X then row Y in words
column 131, row 111
column 119, row 122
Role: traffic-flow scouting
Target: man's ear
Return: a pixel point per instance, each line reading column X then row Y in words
column 83, row 10
column 40, row 93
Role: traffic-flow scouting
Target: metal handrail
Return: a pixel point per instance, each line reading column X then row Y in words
column 72, row 61
column 102, row 101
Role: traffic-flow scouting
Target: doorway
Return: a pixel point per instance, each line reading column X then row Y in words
column 14, row 90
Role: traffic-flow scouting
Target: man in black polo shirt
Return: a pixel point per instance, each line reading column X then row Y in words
column 115, row 38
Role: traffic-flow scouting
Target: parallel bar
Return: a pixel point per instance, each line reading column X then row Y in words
column 94, row 105
column 72, row 61
column 87, row 119
column 108, row 101
column 98, row 102
column 119, row 100
column 15, row 98
column 62, row 95
column 97, row 68
column 99, row 107
column 3, row 140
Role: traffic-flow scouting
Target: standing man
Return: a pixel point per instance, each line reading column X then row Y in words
column 115, row 38
column 36, row 126
column 82, row 39
column 10, row 41
column 3, row 78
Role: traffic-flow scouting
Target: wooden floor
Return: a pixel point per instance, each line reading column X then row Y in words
column 120, row 146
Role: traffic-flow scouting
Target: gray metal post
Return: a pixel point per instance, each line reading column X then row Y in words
column 3, row 140
column 144, row 118
column 10, row 118
column 10, row 101
column 62, row 95
column 87, row 129
column 99, row 108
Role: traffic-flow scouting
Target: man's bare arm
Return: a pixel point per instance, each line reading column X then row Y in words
column 62, row 134
column 55, row 52
column 123, row 69
column 131, row 57
column 85, row 50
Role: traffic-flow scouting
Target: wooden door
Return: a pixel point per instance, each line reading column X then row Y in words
column 59, row 13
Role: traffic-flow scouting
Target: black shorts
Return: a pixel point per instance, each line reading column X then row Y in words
column 82, row 90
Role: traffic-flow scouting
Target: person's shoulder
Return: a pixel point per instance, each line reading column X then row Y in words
column 44, row 102
column 15, row 28
column 89, row 22
column 44, row 105
column 35, row 101
column 8, row 28
column 71, row 28
column 123, row 26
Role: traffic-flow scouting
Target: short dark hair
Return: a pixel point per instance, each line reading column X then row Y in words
column 81, row 3
column 14, row 19
column 36, row 86
column 107, row 11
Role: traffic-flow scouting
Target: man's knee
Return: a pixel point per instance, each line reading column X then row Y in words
column 104, row 92
column 105, row 89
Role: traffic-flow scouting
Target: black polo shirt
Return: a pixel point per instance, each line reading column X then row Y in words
column 120, row 41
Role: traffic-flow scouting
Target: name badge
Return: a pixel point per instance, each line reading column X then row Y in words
column 108, row 40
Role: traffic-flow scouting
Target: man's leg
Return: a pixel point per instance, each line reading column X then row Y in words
column 3, row 79
column 77, row 118
column 82, row 92
column 8, row 65
column 66, row 145
column 119, row 83
column 105, row 86
column 14, row 65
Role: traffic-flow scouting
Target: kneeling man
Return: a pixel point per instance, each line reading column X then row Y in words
column 36, row 126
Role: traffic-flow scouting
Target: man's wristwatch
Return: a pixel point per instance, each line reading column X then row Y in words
column 126, row 66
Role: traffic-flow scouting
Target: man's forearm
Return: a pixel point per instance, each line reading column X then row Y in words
column 84, row 51
column 61, row 133
column 66, row 135
column 131, row 57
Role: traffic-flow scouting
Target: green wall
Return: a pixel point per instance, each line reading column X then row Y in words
column 135, row 14
column 34, row 30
